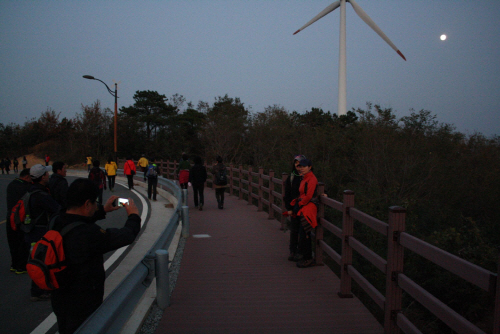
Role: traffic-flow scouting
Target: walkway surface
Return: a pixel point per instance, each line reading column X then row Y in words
column 235, row 278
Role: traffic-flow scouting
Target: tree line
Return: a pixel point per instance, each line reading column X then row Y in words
column 449, row 182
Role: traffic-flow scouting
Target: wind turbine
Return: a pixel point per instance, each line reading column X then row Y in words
column 342, row 102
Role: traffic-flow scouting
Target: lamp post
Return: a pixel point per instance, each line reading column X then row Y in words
column 116, row 106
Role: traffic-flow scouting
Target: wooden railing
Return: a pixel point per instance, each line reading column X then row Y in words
column 260, row 189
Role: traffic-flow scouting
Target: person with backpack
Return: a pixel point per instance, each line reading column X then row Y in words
column 292, row 184
column 19, row 250
column 42, row 208
column 198, row 177
column 58, row 185
column 111, row 169
column 220, row 180
column 152, row 172
column 97, row 176
column 81, row 283
column 305, row 207
column 129, row 171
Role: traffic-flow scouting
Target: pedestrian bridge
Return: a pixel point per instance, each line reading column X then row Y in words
column 235, row 277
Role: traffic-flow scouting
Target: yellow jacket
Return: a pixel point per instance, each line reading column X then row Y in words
column 111, row 168
column 143, row 162
column 89, row 160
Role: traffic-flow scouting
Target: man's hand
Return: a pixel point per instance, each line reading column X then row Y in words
column 108, row 207
column 131, row 207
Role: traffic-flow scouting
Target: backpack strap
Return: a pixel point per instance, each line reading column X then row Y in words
column 69, row 227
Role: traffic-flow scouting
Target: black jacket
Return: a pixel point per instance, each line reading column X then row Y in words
column 42, row 208
column 82, row 281
column 198, row 175
column 58, row 186
column 292, row 185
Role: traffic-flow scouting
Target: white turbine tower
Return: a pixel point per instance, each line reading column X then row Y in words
column 342, row 106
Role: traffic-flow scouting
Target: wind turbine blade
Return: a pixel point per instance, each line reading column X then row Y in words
column 325, row 11
column 362, row 14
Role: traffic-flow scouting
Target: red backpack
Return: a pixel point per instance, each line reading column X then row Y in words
column 20, row 211
column 47, row 258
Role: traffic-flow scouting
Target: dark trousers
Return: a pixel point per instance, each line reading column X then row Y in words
column 198, row 191
column 305, row 246
column 152, row 183
column 19, row 249
column 143, row 169
column 219, row 195
column 294, row 234
column 130, row 179
column 111, row 181
column 99, row 198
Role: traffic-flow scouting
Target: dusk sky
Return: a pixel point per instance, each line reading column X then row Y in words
column 204, row 49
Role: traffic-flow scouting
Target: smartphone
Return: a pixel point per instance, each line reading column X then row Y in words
column 120, row 201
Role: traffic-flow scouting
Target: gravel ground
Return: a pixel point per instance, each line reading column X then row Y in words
column 155, row 313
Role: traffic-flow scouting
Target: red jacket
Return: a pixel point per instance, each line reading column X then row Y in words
column 307, row 208
column 128, row 167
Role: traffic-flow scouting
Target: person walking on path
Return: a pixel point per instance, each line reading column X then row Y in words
column 152, row 173
column 6, row 165
column 197, row 178
column 25, row 162
column 183, row 171
column 129, row 171
column 97, row 176
column 47, row 159
column 305, row 207
column 220, row 180
column 111, row 169
column 143, row 164
column 16, row 164
column 58, row 185
column 82, row 287
column 19, row 250
column 89, row 162
column 292, row 192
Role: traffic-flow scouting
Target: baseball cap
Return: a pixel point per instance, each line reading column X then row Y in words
column 305, row 162
column 299, row 157
column 39, row 170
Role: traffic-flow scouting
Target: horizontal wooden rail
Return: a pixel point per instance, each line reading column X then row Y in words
column 374, row 223
column 330, row 227
column 406, row 325
column 481, row 277
column 454, row 320
column 377, row 297
column 368, row 254
column 330, row 251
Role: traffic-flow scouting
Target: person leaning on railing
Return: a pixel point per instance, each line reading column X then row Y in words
column 306, row 208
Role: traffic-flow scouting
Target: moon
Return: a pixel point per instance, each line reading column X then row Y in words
column 443, row 37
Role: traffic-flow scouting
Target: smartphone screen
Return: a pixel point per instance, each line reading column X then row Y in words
column 121, row 201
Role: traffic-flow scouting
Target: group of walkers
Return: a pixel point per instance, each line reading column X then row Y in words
column 6, row 163
column 72, row 210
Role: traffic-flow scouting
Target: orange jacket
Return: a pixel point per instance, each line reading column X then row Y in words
column 307, row 208
column 128, row 167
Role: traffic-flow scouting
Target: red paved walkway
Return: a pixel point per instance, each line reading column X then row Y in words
column 239, row 281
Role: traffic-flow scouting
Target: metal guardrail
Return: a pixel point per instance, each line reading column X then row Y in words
column 116, row 309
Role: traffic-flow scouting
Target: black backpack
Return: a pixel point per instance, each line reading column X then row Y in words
column 221, row 177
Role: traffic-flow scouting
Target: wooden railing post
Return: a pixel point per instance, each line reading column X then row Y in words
column 261, row 183
column 284, row 176
column 250, row 185
column 395, row 259
column 346, row 259
column 271, row 196
column 496, row 314
column 230, row 179
column 241, row 183
column 319, row 228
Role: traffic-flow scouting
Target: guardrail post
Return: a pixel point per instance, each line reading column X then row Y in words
column 230, row 179
column 185, row 221
column 250, row 177
column 271, row 195
column 162, row 279
column 319, row 228
column 261, row 183
column 346, row 259
column 284, row 177
column 241, row 183
column 184, row 197
column 395, row 259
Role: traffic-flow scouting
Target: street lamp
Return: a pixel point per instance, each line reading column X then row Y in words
column 116, row 106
